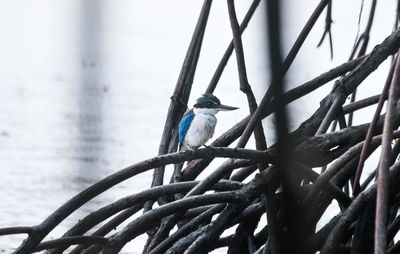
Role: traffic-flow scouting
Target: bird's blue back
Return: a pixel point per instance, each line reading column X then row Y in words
column 185, row 124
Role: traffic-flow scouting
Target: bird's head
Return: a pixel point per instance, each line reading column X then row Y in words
column 210, row 102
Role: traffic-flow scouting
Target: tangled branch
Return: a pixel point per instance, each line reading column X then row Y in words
column 288, row 188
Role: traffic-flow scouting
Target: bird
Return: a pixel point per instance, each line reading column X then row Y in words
column 198, row 124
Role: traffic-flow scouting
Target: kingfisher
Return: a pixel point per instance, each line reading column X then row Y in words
column 198, row 124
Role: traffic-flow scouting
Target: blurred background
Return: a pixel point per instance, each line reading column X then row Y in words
column 85, row 87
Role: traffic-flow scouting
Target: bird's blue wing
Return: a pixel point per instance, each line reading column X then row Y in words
column 185, row 124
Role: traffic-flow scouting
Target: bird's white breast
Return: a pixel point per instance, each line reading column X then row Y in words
column 201, row 128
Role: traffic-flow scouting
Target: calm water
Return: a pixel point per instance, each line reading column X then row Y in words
column 85, row 88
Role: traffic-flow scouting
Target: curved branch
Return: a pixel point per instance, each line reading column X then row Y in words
column 212, row 231
column 105, row 212
column 41, row 230
column 194, row 169
column 103, row 230
column 144, row 222
column 334, row 168
column 184, row 230
column 351, row 81
column 65, row 242
column 200, row 188
column 335, row 237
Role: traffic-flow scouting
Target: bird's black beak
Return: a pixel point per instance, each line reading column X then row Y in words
column 222, row 107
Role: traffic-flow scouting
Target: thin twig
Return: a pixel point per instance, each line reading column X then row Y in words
column 327, row 31
column 257, row 116
column 244, row 83
column 229, row 50
column 382, row 99
column 361, row 104
column 365, row 39
column 383, row 173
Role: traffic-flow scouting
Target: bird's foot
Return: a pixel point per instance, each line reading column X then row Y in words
column 192, row 149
